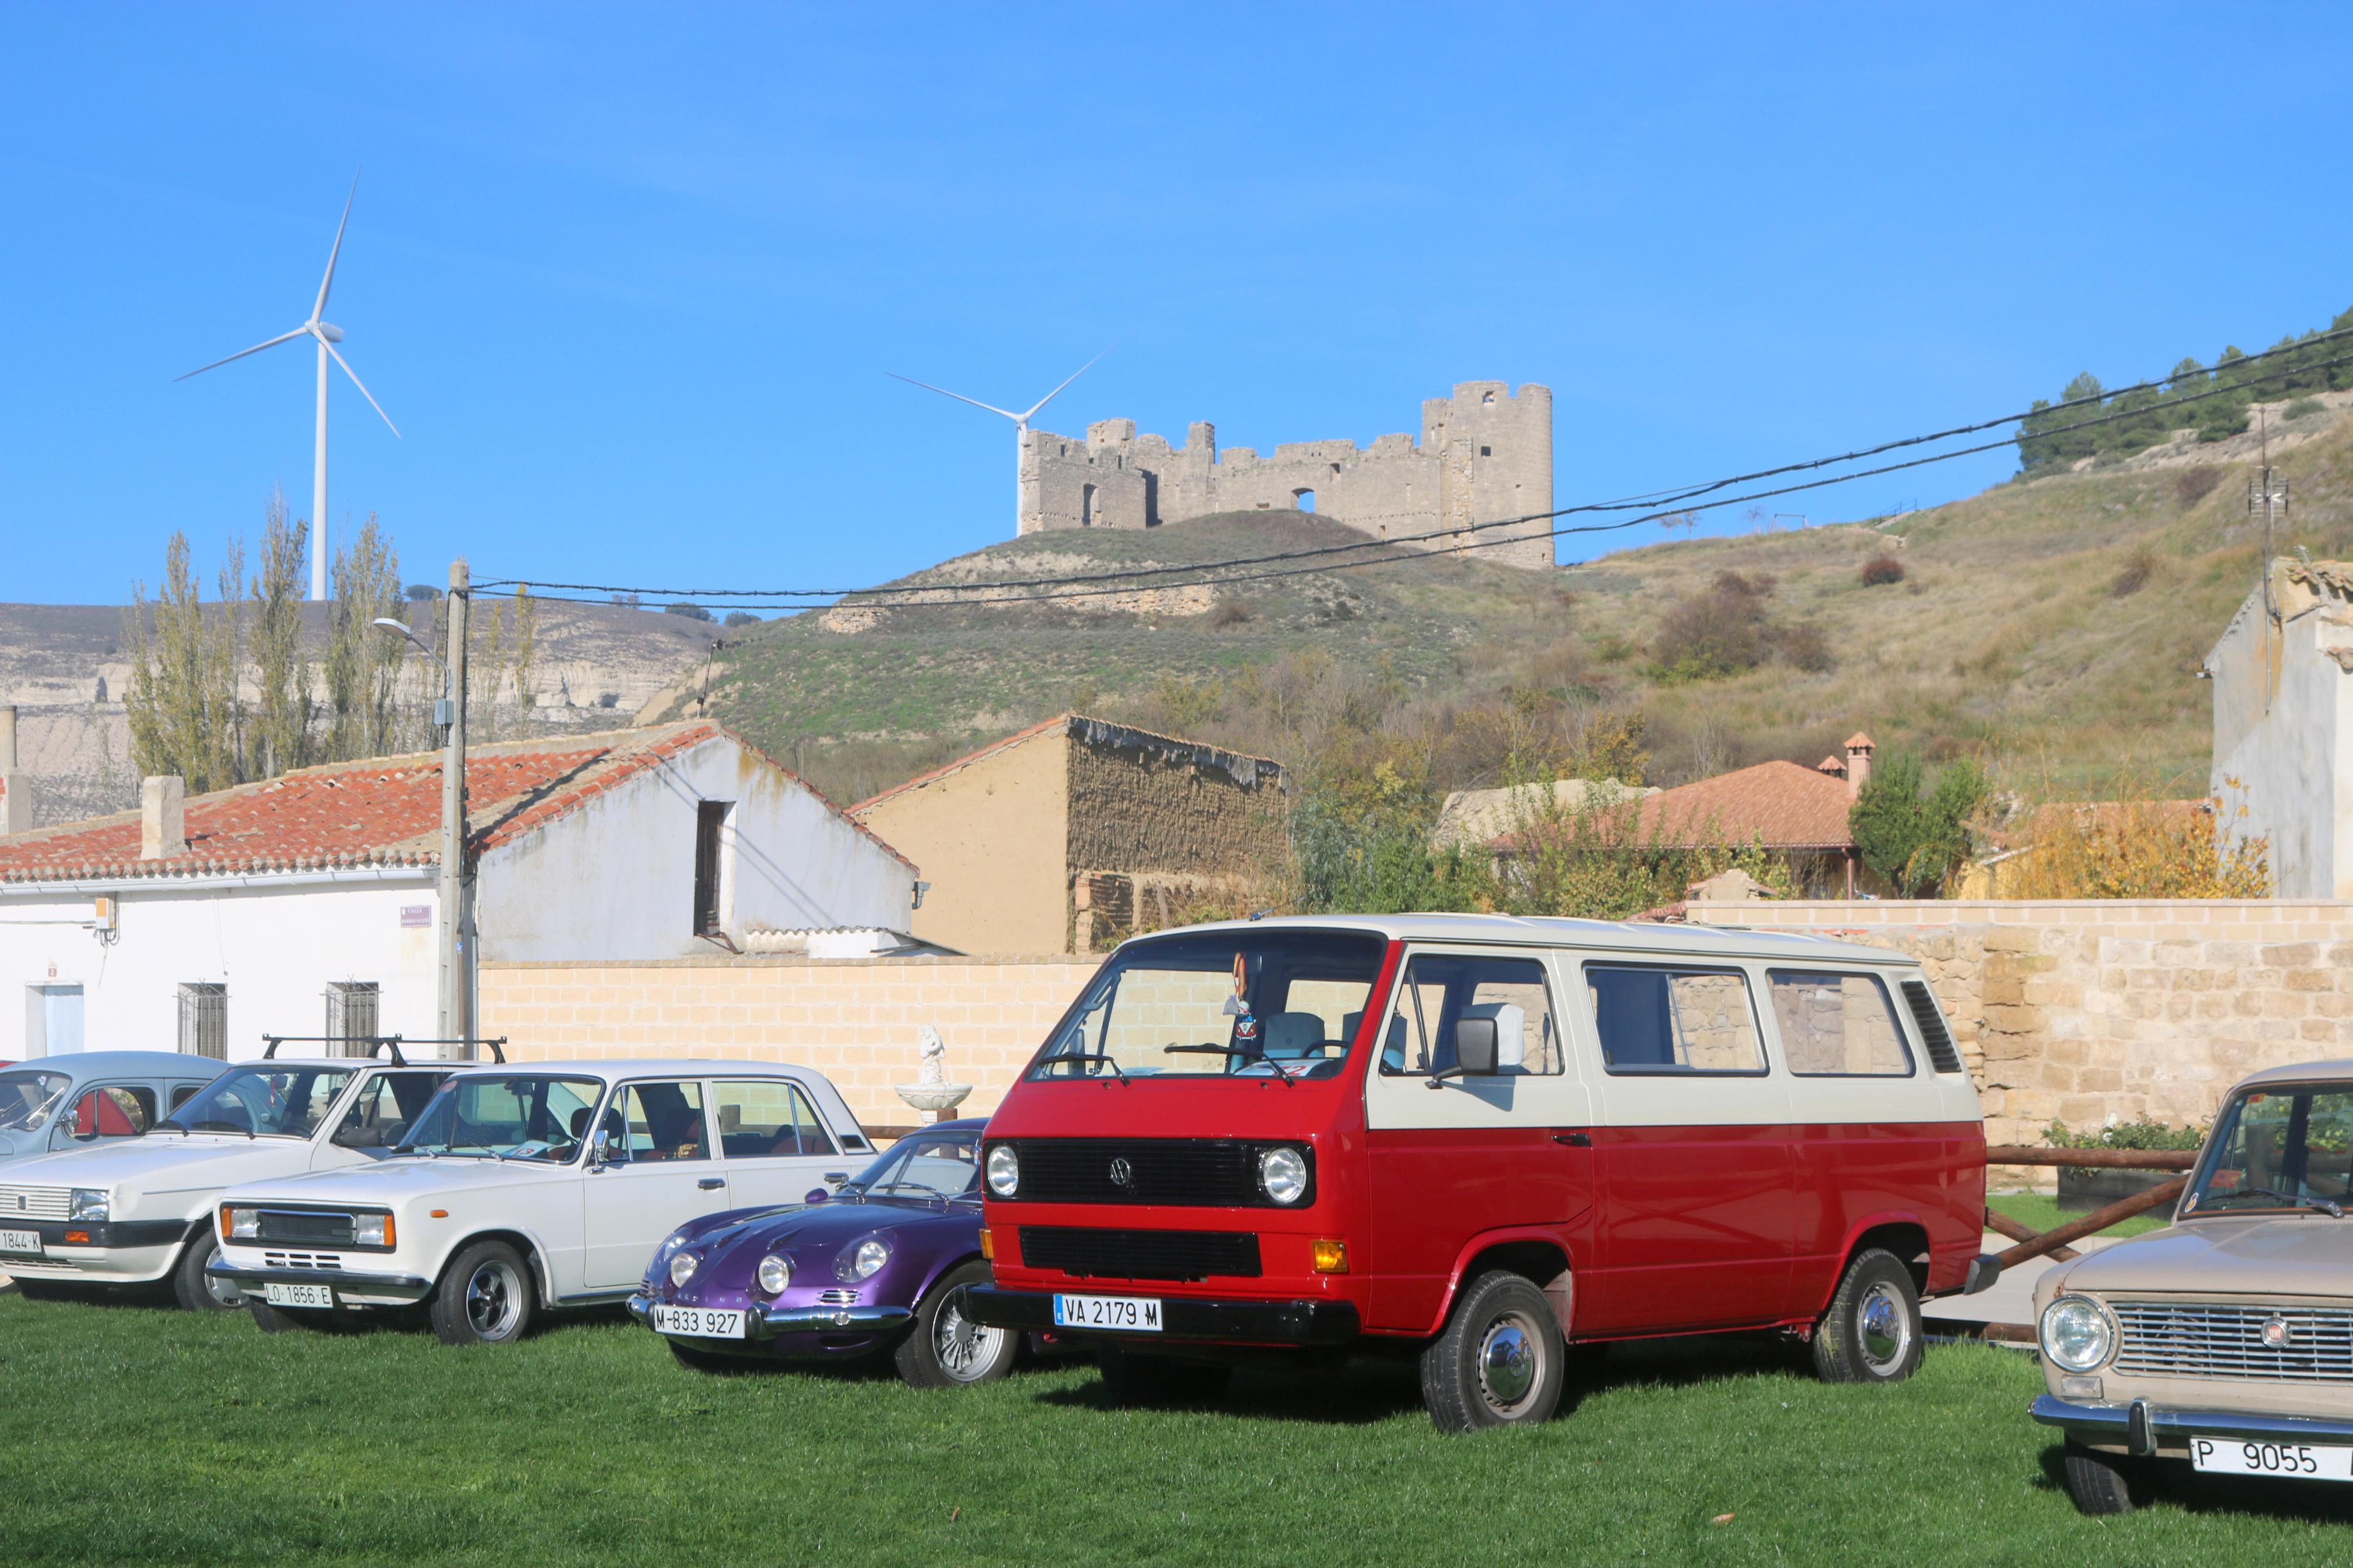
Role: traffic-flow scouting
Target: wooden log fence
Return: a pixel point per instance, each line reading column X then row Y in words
column 2052, row 1243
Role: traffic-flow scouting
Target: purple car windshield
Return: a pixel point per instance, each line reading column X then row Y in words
column 924, row 1165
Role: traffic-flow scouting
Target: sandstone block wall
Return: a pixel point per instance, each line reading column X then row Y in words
column 2092, row 1011
column 857, row 1021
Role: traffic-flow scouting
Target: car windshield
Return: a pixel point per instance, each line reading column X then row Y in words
column 924, row 1165
column 27, row 1097
column 265, row 1100
column 1228, row 1004
column 2289, row 1147
column 529, row 1116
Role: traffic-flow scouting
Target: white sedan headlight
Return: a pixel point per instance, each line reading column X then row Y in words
column 682, row 1268
column 774, row 1274
column 863, row 1261
column 2078, row 1333
column 88, row 1205
column 373, row 1230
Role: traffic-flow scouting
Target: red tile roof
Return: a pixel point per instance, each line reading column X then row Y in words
column 1784, row 805
column 386, row 811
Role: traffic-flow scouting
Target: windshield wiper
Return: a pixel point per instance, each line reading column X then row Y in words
column 1103, row 1057
column 2332, row 1209
column 1249, row 1053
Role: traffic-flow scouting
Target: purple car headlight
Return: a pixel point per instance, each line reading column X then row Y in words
column 683, row 1266
column 863, row 1261
column 774, row 1274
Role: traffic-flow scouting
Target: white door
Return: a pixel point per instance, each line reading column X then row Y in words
column 52, row 1020
column 777, row 1146
column 660, row 1172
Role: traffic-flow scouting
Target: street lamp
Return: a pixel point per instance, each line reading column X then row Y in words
column 456, row 1010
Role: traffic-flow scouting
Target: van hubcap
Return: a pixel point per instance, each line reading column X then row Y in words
column 1886, row 1328
column 1511, row 1363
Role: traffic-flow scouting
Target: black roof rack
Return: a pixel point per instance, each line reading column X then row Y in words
column 376, row 1044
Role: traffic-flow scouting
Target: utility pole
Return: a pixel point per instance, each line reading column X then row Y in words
column 456, row 1009
column 2268, row 495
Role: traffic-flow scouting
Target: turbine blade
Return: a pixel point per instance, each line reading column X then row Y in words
column 241, row 353
column 1058, row 391
column 361, row 385
column 328, row 281
column 959, row 396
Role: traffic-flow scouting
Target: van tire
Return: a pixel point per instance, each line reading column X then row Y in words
column 486, row 1296
column 1500, row 1361
column 1872, row 1332
column 944, row 1349
column 1151, row 1380
column 2105, row 1483
column 191, row 1288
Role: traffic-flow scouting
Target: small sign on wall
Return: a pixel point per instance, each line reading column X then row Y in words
column 413, row 915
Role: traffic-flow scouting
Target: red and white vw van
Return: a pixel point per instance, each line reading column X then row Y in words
column 1483, row 1140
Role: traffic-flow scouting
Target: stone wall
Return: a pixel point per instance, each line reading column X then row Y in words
column 2090, row 1011
column 856, row 1021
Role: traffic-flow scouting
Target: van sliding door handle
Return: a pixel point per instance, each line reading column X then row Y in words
column 1573, row 1140
column 712, row 1183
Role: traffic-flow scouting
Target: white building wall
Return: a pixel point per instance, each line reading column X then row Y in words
column 275, row 945
column 2283, row 735
column 615, row 878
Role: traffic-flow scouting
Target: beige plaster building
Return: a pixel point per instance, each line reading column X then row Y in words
column 1058, row 838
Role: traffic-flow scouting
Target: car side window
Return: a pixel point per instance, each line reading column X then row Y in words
column 762, row 1117
column 1673, row 1020
column 123, row 1110
column 1837, row 1026
column 183, row 1092
column 380, row 1115
column 652, row 1121
column 1442, row 989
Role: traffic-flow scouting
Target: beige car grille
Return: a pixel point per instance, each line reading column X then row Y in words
column 33, row 1203
column 2170, row 1339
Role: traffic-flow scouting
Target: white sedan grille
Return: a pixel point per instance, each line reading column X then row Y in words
column 33, row 1203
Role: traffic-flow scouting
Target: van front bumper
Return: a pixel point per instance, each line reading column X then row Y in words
column 1182, row 1318
column 363, row 1289
column 2140, row 1428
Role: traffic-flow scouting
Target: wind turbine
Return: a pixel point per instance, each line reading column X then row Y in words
column 1022, row 450
column 327, row 335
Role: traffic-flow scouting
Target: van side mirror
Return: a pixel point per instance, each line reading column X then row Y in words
column 1474, row 1046
column 599, row 1149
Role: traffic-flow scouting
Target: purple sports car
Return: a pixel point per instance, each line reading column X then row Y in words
column 882, row 1266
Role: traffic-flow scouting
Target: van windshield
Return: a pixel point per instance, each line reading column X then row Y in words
column 1229, row 1003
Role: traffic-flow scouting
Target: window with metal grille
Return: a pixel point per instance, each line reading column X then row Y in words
column 710, row 824
column 351, row 1016
column 204, row 1020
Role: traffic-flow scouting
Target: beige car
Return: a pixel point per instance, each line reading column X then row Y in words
column 2226, row 1339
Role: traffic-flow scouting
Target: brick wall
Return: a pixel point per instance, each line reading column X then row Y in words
column 854, row 1020
column 2082, row 1011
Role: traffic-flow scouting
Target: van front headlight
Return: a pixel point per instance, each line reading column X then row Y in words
column 2078, row 1333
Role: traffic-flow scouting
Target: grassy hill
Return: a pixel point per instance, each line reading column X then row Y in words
column 2052, row 626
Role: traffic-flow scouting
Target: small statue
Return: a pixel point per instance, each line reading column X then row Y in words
column 931, row 1091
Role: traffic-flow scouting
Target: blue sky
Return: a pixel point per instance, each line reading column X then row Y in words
column 629, row 278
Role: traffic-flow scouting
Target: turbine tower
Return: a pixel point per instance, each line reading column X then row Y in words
column 1024, row 465
column 327, row 335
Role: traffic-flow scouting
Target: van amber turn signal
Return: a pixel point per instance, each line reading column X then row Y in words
column 1326, row 1256
column 988, row 1244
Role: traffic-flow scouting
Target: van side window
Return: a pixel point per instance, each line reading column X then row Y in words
column 1673, row 1020
column 1440, row 989
column 1837, row 1025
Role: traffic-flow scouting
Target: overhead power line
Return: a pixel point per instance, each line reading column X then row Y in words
column 1674, row 503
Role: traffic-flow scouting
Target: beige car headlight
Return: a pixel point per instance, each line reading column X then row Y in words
column 2078, row 1333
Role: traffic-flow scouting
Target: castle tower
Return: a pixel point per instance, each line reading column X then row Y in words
column 1494, row 456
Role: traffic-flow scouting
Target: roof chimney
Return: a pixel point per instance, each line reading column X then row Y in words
column 163, row 817
column 16, row 789
column 1858, row 763
column 1831, row 766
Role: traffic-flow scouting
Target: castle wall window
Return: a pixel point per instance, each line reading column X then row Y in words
column 1304, row 500
column 1487, row 451
column 1087, row 506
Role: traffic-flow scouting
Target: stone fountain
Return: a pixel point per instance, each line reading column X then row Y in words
column 931, row 1092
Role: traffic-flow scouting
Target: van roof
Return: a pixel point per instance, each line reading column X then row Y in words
column 1644, row 937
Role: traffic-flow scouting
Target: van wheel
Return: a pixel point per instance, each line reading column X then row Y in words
column 485, row 1297
column 1150, row 1380
column 191, row 1288
column 1872, row 1332
column 1499, row 1361
column 944, row 1349
column 2105, row 1483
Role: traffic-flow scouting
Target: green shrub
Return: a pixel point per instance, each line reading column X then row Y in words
column 2139, row 1134
column 2304, row 408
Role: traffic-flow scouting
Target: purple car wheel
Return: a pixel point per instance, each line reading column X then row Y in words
column 946, row 1349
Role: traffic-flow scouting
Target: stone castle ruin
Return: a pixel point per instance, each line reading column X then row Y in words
column 1485, row 455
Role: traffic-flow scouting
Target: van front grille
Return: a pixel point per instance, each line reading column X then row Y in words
column 1215, row 1173
column 1140, row 1254
column 2164, row 1339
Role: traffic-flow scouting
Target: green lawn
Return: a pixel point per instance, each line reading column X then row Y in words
column 138, row 1434
column 2043, row 1212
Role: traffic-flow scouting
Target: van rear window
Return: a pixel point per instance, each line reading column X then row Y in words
column 1673, row 1020
column 1837, row 1026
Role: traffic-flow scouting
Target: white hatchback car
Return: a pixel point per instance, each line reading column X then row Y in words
column 533, row 1186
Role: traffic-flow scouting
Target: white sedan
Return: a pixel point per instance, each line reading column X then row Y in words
column 536, row 1185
